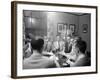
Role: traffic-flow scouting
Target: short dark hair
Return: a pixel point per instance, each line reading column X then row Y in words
column 28, row 36
column 78, row 38
column 37, row 44
column 81, row 45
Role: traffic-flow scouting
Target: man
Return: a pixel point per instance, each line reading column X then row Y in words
column 56, row 44
column 45, row 43
column 68, row 45
column 37, row 60
column 61, row 45
column 77, row 56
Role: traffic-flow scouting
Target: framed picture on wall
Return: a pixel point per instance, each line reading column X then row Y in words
column 28, row 55
column 72, row 27
column 60, row 27
column 85, row 28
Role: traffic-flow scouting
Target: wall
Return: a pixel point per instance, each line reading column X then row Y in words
column 54, row 18
column 85, row 19
column 35, row 22
column 47, row 19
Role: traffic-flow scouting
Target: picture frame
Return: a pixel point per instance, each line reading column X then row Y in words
column 60, row 27
column 72, row 27
column 17, row 29
column 85, row 28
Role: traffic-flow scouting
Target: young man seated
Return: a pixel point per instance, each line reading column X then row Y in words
column 37, row 60
column 77, row 56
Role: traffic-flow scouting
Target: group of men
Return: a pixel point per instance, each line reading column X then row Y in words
column 64, row 52
column 58, row 44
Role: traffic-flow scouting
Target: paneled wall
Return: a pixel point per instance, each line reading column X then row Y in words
column 41, row 22
column 85, row 19
column 54, row 18
column 35, row 22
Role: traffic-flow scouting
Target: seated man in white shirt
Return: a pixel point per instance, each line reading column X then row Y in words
column 37, row 60
column 56, row 44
